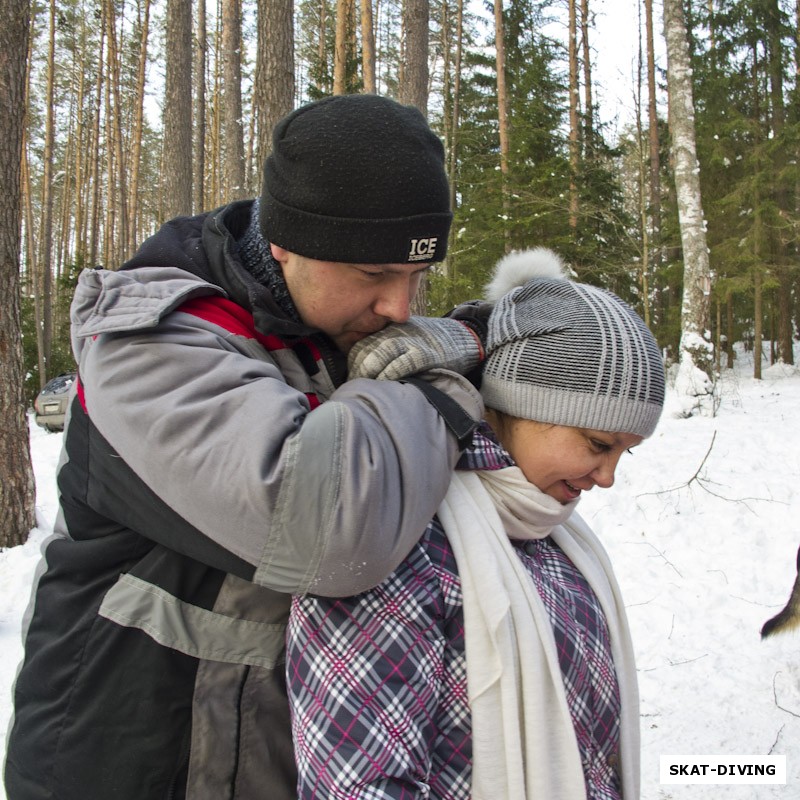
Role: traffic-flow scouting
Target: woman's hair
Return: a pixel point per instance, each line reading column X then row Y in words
column 568, row 353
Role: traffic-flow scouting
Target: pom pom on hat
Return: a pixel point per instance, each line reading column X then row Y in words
column 521, row 266
column 569, row 353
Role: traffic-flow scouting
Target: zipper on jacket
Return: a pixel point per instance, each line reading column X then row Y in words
column 180, row 778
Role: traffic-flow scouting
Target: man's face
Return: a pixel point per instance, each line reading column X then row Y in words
column 349, row 301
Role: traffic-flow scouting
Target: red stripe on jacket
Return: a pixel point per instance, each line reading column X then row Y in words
column 81, row 395
column 236, row 320
column 232, row 318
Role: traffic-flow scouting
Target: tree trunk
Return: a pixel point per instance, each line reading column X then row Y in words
column 93, row 202
column 67, row 195
column 413, row 89
column 343, row 50
column 176, row 194
column 65, row 212
column 652, row 121
column 777, row 122
column 109, row 206
column 729, row 351
column 324, row 84
column 502, row 114
column 455, row 124
column 199, row 77
column 17, row 489
column 117, row 233
column 232, row 128
column 760, row 224
column 694, row 382
column 138, row 126
column 274, row 89
column 795, row 104
column 27, row 216
column 588, row 101
column 79, row 198
column 44, row 284
column 368, row 47
column 574, row 140
column 644, row 270
column 758, row 324
column 31, row 270
column 214, row 157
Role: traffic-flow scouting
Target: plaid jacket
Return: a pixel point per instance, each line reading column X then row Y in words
column 377, row 682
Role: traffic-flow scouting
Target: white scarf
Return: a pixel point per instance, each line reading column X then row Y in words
column 524, row 743
column 525, row 511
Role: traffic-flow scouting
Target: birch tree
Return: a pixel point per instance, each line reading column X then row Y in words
column 693, row 382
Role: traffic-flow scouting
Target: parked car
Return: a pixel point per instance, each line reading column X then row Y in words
column 51, row 403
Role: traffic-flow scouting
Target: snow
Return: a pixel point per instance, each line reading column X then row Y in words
column 694, row 388
column 699, row 527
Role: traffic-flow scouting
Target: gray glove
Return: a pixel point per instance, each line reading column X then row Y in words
column 421, row 344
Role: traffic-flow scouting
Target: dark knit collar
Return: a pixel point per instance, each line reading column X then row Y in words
column 255, row 255
column 258, row 260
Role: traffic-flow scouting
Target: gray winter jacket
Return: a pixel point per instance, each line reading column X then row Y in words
column 214, row 462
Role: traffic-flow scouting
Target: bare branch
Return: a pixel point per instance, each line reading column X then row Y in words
column 704, row 482
column 663, row 557
column 775, row 696
column 777, row 739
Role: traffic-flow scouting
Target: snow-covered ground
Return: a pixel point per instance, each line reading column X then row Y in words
column 701, row 526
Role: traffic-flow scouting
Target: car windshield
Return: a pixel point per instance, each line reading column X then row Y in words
column 59, row 384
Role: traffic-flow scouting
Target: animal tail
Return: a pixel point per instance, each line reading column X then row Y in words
column 789, row 617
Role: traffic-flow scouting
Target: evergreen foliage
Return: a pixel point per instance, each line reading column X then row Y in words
column 748, row 155
column 747, row 99
column 61, row 358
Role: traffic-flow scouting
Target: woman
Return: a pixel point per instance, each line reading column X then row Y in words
column 496, row 661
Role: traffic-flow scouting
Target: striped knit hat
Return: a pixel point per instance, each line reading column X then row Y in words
column 568, row 353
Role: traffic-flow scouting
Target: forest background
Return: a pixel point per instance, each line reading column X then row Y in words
column 131, row 112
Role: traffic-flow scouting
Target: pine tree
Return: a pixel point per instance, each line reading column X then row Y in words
column 177, row 159
column 274, row 84
column 745, row 138
column 17, row 492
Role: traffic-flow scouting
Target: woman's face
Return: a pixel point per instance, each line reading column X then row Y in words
column 562, row 461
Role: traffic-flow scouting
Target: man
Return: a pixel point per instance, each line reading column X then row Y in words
column 215, row 461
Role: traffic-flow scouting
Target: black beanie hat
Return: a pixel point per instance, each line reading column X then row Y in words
column 358, row 179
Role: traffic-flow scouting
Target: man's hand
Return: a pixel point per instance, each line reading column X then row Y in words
column 421, row 344
column 475, row 314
